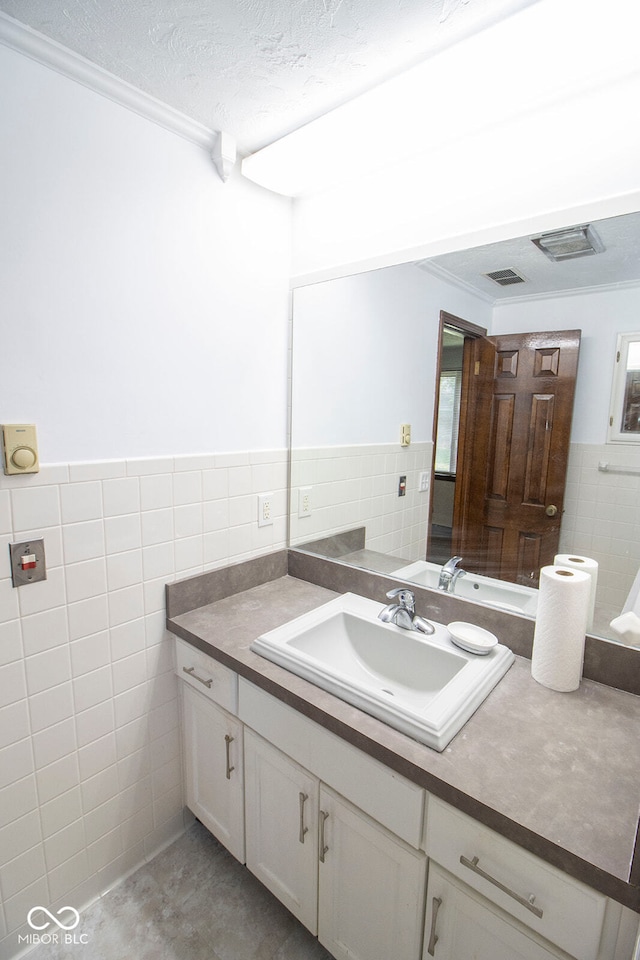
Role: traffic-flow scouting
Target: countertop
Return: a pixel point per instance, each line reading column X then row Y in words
column 557, row 773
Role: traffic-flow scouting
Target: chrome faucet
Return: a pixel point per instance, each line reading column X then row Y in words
column 449, row 574
column 403, row 613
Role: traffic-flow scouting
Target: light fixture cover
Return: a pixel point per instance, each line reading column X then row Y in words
column 569, row 244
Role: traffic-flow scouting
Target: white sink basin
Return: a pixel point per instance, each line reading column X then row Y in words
column 496, row 593
column 423, row 686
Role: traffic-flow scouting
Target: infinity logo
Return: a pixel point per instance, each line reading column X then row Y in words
column 55, row 920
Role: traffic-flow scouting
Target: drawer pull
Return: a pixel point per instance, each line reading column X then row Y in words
column 303, row 829
column 192, row 673
column 528, row 902
column 323, row 847
column 436, row 903
column 228, row 740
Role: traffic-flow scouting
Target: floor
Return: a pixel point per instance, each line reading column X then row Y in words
column 194, row 901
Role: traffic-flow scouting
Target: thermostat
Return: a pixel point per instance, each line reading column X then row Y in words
column 20, row 448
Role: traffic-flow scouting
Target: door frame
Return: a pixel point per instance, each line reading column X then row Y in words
column 471, row 331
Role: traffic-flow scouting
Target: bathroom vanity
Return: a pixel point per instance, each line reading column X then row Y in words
column 516, row 840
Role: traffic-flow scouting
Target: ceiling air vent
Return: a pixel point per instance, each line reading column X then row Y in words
column 505, row 277
column 569, row 244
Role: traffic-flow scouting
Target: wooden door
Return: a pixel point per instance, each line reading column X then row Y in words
column 515, row 447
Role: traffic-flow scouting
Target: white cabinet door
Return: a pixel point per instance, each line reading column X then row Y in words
column 281, row 816
column 214, row 769
column 461, row 925
column 371, row 887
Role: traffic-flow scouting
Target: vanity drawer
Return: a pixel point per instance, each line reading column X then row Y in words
column 386, row 796
column 556, row 906
column 207, row 676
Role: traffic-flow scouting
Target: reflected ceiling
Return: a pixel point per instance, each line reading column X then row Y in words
column 619, row 263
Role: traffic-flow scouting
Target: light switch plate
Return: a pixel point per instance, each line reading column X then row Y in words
column 32, row 574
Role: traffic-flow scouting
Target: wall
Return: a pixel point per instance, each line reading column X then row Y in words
column 144, row 301
column 144, row 324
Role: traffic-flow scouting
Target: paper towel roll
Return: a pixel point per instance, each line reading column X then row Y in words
column 561, row 623
column 572, row 561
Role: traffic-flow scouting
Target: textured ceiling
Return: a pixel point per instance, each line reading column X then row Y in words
column 618, row 263
column 257, row 69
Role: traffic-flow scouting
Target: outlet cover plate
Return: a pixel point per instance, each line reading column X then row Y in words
column 29, row 548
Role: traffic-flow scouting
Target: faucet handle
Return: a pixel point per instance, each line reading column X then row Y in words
column 405, row 597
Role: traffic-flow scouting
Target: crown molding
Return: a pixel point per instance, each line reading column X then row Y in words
column 442, row 274
column 23, row 39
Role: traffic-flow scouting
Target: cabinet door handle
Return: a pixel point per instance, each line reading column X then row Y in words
column 323, row 847
column 436, row 903
column 528, row 902
column 302, row 797
column 228, row 740
column 192, row 673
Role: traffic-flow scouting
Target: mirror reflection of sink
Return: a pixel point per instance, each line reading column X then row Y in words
column 497, row 593
column 423, row 686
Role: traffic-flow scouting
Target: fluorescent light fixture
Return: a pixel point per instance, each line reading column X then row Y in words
column 569, row 244
column 474, row 85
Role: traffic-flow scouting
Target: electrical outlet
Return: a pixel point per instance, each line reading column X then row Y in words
column 304, row 501
column 265, row 509
column 423, row 484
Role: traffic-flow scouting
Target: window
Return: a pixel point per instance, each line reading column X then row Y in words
column 624, row 413
column 448, row 421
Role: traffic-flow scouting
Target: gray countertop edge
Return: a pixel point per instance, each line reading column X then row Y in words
column 626, row 893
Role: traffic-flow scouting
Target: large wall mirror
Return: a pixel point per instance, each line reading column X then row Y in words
column 380, row 358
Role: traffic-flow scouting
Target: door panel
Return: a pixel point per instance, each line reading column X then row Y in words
column 514, row 459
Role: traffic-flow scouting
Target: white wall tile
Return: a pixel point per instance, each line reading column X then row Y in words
column 51, row 706
column 20, row 836
column 105, row 850
column 42, row 631
column 215, row 484
column 102, row 819
column 58, row 777
column 187, row 487
column 86, row 579
column 96, row 470
column 12, row 682
column 154, row 595
column 10, row 642
column 157, row 526
column 18, row 798
column 81, row 501
column 6, row 524
column 17, row 907
column 48, row 669
column 94, row 723
column 61, row 811
column 123, row 533
column 157, row 561
column 22, row 871
column 14, row 723
column 124, row 569
column 126, row 604
column 64, row 844
column 129, row 672
column 188, row 520
column 133, row 736
column 127, row 638
column 35, row 507
column 98, row 789
column 156, row 492
column 92, row 688
column 96, row 756
column 9, row 609
column 37, row 597
column 189, row 554
column 131, row 705
column 88, row 617
column 83, row 541
column 52, row 537
column 68, row 875
column 121, row 496
column 54, row 743
column 89, row 653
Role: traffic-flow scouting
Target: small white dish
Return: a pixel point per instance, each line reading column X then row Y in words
column 471, row 638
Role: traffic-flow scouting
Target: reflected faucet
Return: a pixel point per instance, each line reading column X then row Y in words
column 403, row 613
column 449, row 574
